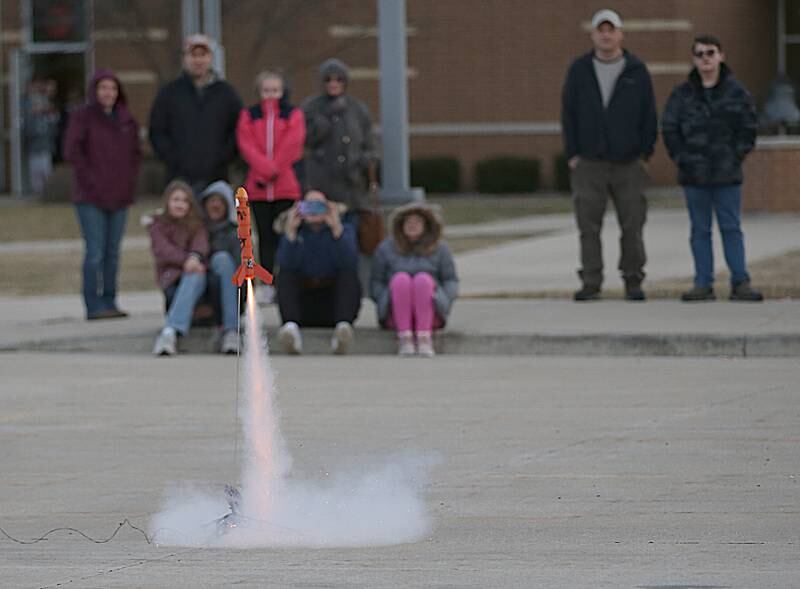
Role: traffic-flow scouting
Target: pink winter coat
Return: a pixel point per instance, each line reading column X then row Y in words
column 270, row 136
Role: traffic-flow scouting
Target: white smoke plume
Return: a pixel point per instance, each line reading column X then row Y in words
column 366, row 507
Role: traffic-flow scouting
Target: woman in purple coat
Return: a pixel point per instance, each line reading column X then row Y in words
column 102, row 144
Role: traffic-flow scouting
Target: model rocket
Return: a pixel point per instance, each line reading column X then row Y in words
column 248, row 268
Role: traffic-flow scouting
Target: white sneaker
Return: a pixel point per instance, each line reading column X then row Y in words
column 289, row 336
column 166, row 343
column 425, row 344
column 342, row 338
column 405, row 344
column 265, row 294
column 230, row 342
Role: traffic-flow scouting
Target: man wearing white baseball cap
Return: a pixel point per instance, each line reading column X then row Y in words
column 609, row 127
column 608, row 16
column 193, row 119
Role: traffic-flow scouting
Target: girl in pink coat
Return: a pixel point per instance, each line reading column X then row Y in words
column 270, row 136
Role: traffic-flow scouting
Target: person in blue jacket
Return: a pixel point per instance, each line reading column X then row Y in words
column 318, row 282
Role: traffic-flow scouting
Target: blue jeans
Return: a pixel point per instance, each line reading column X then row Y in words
column 189, row 290
column 102, row 234
column 222, row 268
column 726, row 201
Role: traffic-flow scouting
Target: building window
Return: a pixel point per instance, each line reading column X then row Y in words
column 58, row 21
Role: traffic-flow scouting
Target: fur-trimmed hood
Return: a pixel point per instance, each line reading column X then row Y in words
column 429, row 241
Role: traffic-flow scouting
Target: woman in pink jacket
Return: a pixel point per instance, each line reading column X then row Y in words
column 270, row 136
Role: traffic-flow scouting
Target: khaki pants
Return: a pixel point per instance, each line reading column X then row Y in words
column 592, row 184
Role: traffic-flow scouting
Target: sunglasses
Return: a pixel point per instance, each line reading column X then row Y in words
column 706, row 53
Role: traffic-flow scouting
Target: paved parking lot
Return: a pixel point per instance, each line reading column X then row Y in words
column 554, row 472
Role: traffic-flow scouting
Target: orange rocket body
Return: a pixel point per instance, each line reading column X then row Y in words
column 248, row 269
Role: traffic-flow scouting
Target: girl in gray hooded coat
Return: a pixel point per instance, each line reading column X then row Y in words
column 224, row 255
column 413, row 280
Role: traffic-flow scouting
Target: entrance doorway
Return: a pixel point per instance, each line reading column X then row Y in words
column 65, row 75
column 48, row 79
column 44, row 88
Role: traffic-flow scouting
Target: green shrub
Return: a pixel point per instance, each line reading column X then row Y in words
column 507, row 174
column 561, row 172
column 436, row 174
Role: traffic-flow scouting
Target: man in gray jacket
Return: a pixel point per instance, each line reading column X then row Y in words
column 339, row 142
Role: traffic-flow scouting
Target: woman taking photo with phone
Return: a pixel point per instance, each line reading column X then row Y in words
column 270, row 136
column 318, row 282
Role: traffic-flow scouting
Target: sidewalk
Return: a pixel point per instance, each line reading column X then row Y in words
column 477, row 327
column 550, row 262
column 490, row 326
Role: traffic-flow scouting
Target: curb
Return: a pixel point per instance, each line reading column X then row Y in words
column 371, row 341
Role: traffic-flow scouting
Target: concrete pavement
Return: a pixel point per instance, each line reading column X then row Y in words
column 572, row 471
column 485, row 327
column 550, row 262
column 554, row 472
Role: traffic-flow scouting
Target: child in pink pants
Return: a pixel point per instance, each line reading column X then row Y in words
column 413, row 279
column 413, row 310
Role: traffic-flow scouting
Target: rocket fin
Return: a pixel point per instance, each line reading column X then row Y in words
column 262, row 273
column 238, row 276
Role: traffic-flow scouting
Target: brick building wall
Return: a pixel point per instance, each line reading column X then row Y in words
column 770, row 176
column 470, row 61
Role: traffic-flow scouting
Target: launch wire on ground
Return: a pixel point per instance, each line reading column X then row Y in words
column 125, row 522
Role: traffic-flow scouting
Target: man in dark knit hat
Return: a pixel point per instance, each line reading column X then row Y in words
column 339, row 142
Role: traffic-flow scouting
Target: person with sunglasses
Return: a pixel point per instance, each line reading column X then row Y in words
column 340, row 145
column 609, row 126
column 709, row 126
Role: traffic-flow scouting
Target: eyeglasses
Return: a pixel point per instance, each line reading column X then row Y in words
column 706, row 53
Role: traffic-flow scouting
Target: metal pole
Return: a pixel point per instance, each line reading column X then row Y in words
column 3, row 129
column 212, row 26
column 394, row 102
column 211, row 19
column 781, row 36
column 15, row 122
column 190, row 17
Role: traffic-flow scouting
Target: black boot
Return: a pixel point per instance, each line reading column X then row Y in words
column 633, row 291
column 699, row 293
column 587, row 293
column 744, row 292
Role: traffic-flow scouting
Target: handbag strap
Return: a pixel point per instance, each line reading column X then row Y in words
column 372, row 174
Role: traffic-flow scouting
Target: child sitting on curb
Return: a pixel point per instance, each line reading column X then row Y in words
column 318, row 279
column 180, row 247
column 220, row 218
column 413, row 279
